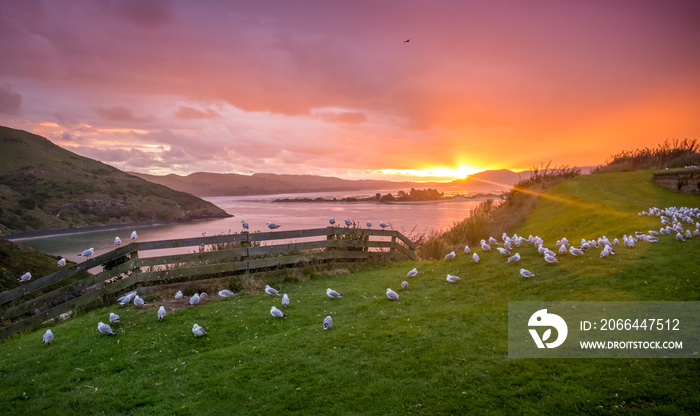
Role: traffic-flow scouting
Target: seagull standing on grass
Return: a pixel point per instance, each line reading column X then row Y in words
column 333, row 294
column 453, row 279
column 277, row 313
column 450, row 255
column 285, row 300
column 198, row 331
column 514, row 258
column 412, row 272
column 25, row 277
column 271, row 291
column 48, row 337
column 87, row 253
column 551, row 259
column 392, row 295
column 225, row 293
column 526, row 273
column 126, row 298
column 475, row 257
column 327, row 322
column 62, row 262
column 161, row 313
column 113, row 318
column 404, row 285
column 575, row 251
column 138, row 301
column 467, row 250
column 272, row 225
column 104, row 329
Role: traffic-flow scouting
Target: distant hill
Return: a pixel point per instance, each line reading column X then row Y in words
column 204, row 184
column 43, row 186
column 228, row 184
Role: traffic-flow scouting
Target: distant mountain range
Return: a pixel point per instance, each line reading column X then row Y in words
column 43, row 186
column 230, row 184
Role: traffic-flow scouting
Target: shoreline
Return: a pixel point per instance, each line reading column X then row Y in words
column 25, row 235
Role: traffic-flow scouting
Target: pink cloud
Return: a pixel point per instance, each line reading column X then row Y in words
column 189, row 113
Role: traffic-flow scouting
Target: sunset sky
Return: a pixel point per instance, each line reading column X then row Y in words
column 332, row 88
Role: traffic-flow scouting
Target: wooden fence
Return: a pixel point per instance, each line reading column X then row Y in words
column 128, row 267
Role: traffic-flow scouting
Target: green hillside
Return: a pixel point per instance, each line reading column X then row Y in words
column 43, row 186
column 441, row 349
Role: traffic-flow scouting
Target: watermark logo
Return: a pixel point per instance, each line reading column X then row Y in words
column 543, row 319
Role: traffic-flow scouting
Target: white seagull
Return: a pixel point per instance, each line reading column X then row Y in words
column 348, row 222
column 467, row 250
column 327, row 322
column 575, row 251
column 178, row 294
column 514, row 258
column 138, row 301
column 225, row 293
column 117, row 240
column 161, row 313
column 331, row 221
column 526, row 273
column 285, row 300
column 475, row 257
column 104, row 328
column 277, row 313
column 62, row 262
column 271, row 291
column 87, row 253
column 369, row 224
column 113, row 318
column 244, row 223
column 333, row 294
column 503, row 251
column 551, row 259
column 198, row 331
column 272, row 225
column 391, row 294
column 194, row 299
column 48, row 337
column 134, row 236
column 404, row 285
column 412, row 272
column 453, row 279
column 126, row 298
column 25, row 277
column 450, row 255
column 381, row 224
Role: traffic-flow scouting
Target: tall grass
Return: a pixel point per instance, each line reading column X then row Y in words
column 672, row 153
column 494, row 217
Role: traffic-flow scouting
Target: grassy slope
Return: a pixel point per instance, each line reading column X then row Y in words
column 43, row 186
column 441, row 349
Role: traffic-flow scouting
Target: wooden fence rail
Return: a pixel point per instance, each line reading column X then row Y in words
column 129, row 267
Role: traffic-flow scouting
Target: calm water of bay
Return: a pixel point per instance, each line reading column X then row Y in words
column 411, row 219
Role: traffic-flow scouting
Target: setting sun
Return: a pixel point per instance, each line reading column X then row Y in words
column 434, row 174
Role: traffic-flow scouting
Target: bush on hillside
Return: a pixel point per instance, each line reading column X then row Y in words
column 669, row 154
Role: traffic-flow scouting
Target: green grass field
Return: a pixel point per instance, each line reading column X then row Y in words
column 441, row 349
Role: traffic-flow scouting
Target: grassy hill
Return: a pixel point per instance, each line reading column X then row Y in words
column 441, row 349
column 43, row 186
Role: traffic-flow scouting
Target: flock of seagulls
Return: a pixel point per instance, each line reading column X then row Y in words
column 683, row 221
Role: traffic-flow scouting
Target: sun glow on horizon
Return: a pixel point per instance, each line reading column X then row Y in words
column 434, row 174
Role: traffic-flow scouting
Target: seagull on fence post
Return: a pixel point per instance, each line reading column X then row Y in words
column 244, row 223
column 348, row 222
column 134, row 236
column 25, row 277
column 117, row 241
column 87, row 253
column 369, row 224
column 272, row 225
column 62, row 262
column 381, row 224
column 331, row 221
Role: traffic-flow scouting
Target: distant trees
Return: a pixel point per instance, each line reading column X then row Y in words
column 429, row 194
